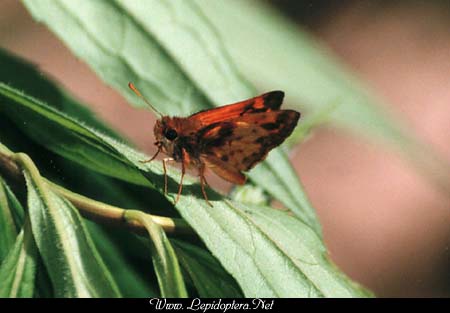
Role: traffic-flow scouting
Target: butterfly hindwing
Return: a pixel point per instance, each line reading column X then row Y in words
column 224, row 169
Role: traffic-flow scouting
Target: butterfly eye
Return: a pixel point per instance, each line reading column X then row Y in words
column 171, row 134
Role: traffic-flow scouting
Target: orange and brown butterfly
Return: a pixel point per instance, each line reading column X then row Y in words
column 228, row 140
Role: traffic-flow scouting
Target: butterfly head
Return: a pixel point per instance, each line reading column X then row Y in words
column 166, row 134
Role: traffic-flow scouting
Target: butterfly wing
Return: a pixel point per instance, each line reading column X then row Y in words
column 224, row 170
column 229, row 147
column 267, row 102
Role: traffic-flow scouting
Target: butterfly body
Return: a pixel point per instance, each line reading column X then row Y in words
column 229, row 140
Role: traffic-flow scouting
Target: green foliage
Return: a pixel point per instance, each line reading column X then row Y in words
column 9, row 206
column 18, row 269
column 276, row 54
column 64, row 233
column 164, row 259
column 201, row 266
column 176, row 54
column 228, row 229
column 131, row 281
column 175, row 83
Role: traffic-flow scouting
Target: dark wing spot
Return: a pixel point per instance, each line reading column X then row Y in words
column 264, row 141
column 283, row 117
column 219, row 142
column 226, row 129
column 270, row 126
column 273, row 99
column 259, row 110
column 248, row 107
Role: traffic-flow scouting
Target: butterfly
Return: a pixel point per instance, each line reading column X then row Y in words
column 229, row 140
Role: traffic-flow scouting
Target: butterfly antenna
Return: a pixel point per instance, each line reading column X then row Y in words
column 136, row 91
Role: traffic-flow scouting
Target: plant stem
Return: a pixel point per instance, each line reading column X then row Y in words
column 11, row 163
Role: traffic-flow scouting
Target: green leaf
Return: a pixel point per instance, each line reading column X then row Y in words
column 249, row 195
column 314, row 80
column 64, row 135
column 208, row 276
column 18, row 270
column 268, row 252
column 165, row 262
column 302, row 250
column 227, row 229
column 129, row 279
column 311, row 76
column 279, row 179
column 43, row 284
column 9, row 225
column 72, row 261
column 75, row 141
column 175, row 58
column 25, row 76
column 119, row 49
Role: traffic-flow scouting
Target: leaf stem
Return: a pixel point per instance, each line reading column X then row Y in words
column 11, row 163
column 165, row 261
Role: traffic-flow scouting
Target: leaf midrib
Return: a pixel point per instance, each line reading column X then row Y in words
column 46, row 198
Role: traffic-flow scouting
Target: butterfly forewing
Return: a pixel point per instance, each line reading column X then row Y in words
column 269, row 101
column 242, row 142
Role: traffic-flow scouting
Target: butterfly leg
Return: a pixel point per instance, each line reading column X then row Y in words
column 203, row 182
column 153, row 157
column 165, row 160
column 180, row 186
